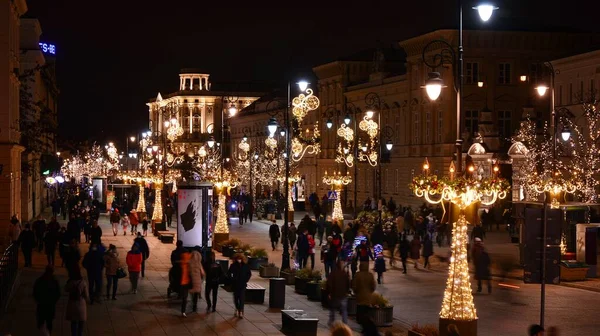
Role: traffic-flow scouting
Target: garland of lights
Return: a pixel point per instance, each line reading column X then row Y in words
column 337, row 180
column 221, row 224
column 174, row 130
column 304, row 104
column 458, row 302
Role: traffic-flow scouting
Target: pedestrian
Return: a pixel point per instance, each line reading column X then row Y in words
column 63, row 244
column 329, row 255
column 50, row 241
column 415, row 249
column 184, row 257
column 93, row 262
column 55, row 208
column 380, row 267
column 134, row 266
column 363, row 287
column 303, row 248
column 27, row 242
column 76, row 311
column 14, row 230
column 377, row 235
column 125, row 224
column 46, row 293
column 478, row 232
column 349, row 235
column 87, row 229
column 311, row 250
column 427, row 250
column 72, row 256
column 404, row 249
column 145, row 227
column 536, row 330
column 482, row 270
column 338, row 286
column 363, row 252
column 169, row 211
column 292, row 235
column 321, row 229
column 39, row 229
column 112, row 264
column 73, row 230
column 115, row 218
column 239, row 275
column 274, row 234
column 95, row 233
column 214, row 274
column 392, row 241
column 134, row 221
column 144, row 249
column 197, row 274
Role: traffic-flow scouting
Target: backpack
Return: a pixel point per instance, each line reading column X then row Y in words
column 75, row 293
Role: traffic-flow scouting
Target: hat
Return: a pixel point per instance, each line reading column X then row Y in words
column 477, row 239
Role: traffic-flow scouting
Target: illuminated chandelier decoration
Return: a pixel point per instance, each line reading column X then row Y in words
column 174, row 130
column 244, row 147
column 555, row 185
column 461, row 191
column 304, row 104
column 369, row 150
column 271, row 142
column 337, row 181
column 344, row 152
column 291, row 180
column 302, row 145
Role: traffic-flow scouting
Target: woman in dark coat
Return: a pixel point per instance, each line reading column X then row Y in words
column 482, row 270
column 427, row 250
column 46, row 293
column 239, row 274
column 415, row 249
column 404, row 249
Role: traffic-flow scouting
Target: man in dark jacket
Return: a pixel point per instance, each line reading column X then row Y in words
column 46, row 293
column 214, row 274
column 144, row 249
column 95, row 233
column 338, row 285
column 239, row 274
column 404, row 249
column 73, row 229
column 93, row 262
column 72, row 256
column 349, row 235
column 39, row 228
column 303, row 247
column 50, row 241
column 27, row 242
column 274, row 234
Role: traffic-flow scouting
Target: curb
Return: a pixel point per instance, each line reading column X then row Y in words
column 582, row 287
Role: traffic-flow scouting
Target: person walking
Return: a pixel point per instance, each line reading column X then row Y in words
column 303, row 248
column 329, row 254
column 134, row 266
column 95, row 233
column 144, row 249
column 39, row 229
column 311, row 250
column 76, row 311
column 364, row 253
column 115, row 218
column 404, row 249
column 338, row 286
column 93, row 262
column 134, row 221
column 72, row 256
column 274, row 234
column 145, row 227
column 214, row 274
column 321, row 229
column 239, row 274
column 415, row 250
column 197, row 274
column 27, row 242
column 46, row 293
column 14, row 229
column 427, row 250
column 482, row 269
column 392, row 241
column 363, row 287
column 183, row 259
column 50, row 241
column 380, row 267
column 292, row 235
column 112, row 264
column 169, row 211
column 125, row 224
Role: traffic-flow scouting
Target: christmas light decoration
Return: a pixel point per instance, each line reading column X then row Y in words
column 458, row 302
column 304, row 104
column 221, row 224
column 174, row 130
column 337, row 181
column 302, row 145
column 157, row 214
column 141, row 205
column 338, row 214
column 344, row 150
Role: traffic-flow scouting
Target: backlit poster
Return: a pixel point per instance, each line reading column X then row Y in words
column 189, row 221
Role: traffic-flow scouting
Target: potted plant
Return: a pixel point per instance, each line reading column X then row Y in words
column 229, row 246
column 313, row 290
column 268, row 271
column 289, row 275
column 573, row 270
column 324, row 294
column 381, row 311
column 258, row 256
column 424, row 330
column 303, row 276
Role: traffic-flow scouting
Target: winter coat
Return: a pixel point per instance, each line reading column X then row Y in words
column 77, row 302
column 349, row 236
column 93, row 262
column 96, row 235
column 482, row 266
column 114, row 217
column 144, row 248
column 380, row 265
column 377, row 235
column 46, row 293
column 427, row 248
column 184, row 264
column 274, row 232
column 214, row 273
column 134, row 261
column 404, row 249
column 364, row 253
column 111, row 262
column 338, row 284
column 303, row 245
column 125, row 222
column 292, row 234
column 415, row 248
column 197, row 272
column 364, row 285
column 14, row 231
column 133, row 219
column 27, row 240
column 240, row 274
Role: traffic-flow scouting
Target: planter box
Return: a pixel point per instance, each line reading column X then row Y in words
column 268, row 272
column 300, row 285
column 227, row 251
column 313, row 291
column 382, row 317
column 290, row 278
column 255, row 263
column 573, row 273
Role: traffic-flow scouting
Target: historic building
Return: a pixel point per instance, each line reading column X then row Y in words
column 501, row 69
column 10, row 150
column 38, row 113
column 577, row 79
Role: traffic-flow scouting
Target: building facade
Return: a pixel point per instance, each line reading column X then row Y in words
column 10, row 150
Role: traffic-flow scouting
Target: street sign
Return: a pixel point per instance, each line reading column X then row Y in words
column 332, row 195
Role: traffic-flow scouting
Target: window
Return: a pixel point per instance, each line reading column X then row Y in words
column 472, row 121
column 504, row 124
column 504, row 73
column 440, row 127
column 471, row 73
column 416, row 127
column 428, row 127
column 592, row 86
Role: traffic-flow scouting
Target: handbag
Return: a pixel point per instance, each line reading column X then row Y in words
column 121, row 273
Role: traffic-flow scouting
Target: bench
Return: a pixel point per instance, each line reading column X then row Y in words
column 296, row 322
column 255, row 293
column 166, row 237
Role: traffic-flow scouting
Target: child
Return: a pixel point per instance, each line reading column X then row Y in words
column 379, row 263
column 145, row 227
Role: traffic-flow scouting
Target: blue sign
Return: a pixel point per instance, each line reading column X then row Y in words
column 332, row 195
column 47, row 48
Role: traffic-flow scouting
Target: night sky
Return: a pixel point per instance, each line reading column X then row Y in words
column 112, row 56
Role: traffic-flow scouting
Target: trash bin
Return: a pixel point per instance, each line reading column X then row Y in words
column 277, row 292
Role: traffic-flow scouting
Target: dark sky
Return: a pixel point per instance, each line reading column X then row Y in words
column 112, row 56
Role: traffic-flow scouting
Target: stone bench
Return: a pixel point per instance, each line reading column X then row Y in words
column 296, row 322
column 255, row 293
column 166, row 237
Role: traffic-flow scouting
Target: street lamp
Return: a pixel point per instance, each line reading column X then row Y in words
column 433, row 85
column 232, row 110
column 542, row 89
column 389, row 145
column 303, row 85
column 329, row 123
column 566, row 133
column 211, row 142
column 347, row 119
column 272, row 127
column 485, row 11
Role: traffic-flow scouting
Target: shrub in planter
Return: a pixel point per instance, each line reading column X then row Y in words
column 258, row 256
column 313, row 290
column 226, row 250
column 381, row 311
column 289, row 275
column 268, row 271
column 424, row 330
column 303, row 276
